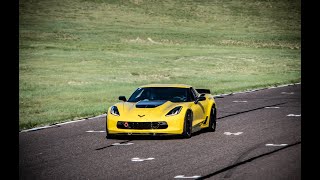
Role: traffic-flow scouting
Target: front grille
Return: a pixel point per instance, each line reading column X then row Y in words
column 142, row 125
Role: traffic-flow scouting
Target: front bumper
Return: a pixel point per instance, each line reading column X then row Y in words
column 167, row 126
column 142, row 125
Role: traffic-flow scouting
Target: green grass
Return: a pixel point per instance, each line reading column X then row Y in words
column 78, row 56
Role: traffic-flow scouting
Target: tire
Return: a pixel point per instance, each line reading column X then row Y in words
column 213, row 120
column 187, row 127
column 108, row 136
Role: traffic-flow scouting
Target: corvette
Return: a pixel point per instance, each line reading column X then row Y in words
column 162, row 109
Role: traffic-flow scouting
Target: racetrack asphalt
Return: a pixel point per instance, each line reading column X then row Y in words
column 258, row 136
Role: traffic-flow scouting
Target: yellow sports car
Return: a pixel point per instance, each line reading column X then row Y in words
column 162, row 109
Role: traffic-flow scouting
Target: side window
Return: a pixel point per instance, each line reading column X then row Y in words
column 193, row 94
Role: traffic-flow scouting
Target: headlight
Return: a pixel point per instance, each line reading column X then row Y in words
column 114, row 111
column 174, row 111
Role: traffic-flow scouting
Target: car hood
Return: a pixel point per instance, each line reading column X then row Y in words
column 149, row 104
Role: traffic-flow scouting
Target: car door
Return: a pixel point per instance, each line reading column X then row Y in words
column 197, row 109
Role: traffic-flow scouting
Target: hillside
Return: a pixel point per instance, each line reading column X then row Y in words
column 77, row 56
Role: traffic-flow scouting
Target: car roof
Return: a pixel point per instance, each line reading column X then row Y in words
column 167, row 85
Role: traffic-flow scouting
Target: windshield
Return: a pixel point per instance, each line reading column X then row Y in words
column 161, row 93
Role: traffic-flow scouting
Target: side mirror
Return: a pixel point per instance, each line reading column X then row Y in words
column 201, row 98
column 123, row 98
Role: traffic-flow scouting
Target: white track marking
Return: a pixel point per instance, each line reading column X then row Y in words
column 229, row 133
column 272, row 107
column 91, row 131
column 121, row 144
column 240, row 101
column 186, row 177
column 60, row 124
column 287, row 92
column 294, row 115
column 136, row 159
column 276, row 144
column 35, row 129
column 70, row 122
column 248, row 91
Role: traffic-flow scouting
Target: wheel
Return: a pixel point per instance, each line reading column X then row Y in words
column 108, row 136
column 187, row 128
column 213, row 120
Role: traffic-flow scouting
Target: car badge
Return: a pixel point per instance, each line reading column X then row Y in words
column 141, row 115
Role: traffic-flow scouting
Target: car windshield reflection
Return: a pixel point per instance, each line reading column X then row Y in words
column 161, row 93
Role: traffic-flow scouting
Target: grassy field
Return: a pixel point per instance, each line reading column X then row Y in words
column 78, row 56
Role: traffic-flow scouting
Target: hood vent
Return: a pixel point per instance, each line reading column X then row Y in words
column 150, row 104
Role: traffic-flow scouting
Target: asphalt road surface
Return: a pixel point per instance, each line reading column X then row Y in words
column 258, row 136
